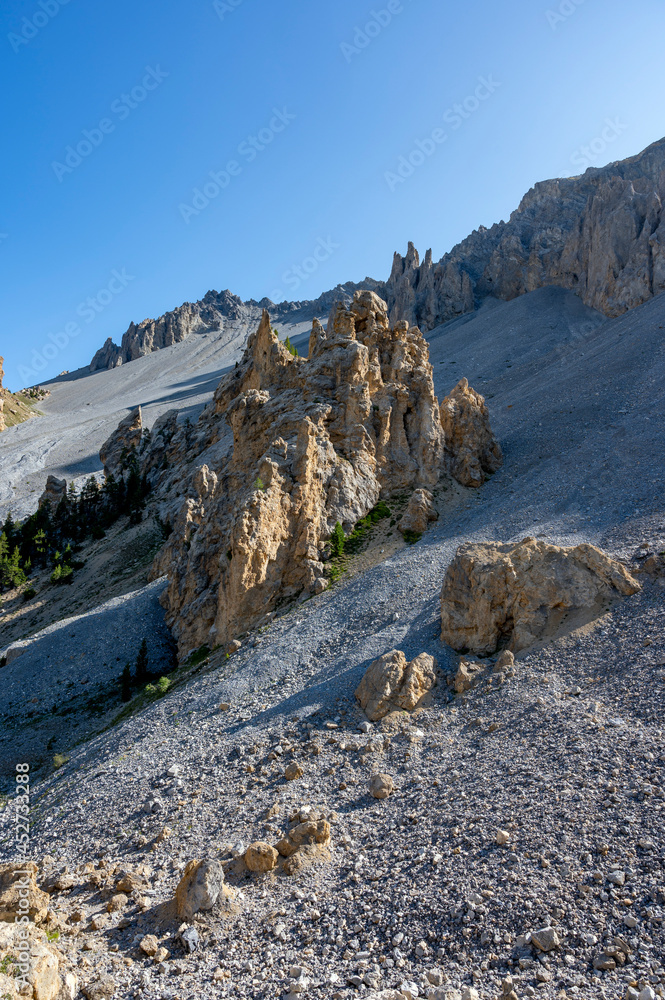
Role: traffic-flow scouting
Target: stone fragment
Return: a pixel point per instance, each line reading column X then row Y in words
column 117, row 902
column 545, row 939
column 467, row 676
column 261, row 857
column 199, row 888
column 391, row 684
column 502, row 837
column 293, row 771
column 381, row 786
column 419, row 514
column 149, row 945
column 493, row 592
column 45, row 972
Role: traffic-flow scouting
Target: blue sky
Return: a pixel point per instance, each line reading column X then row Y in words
column 291, row 120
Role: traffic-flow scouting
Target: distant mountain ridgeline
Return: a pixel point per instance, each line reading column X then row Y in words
column 601, row 235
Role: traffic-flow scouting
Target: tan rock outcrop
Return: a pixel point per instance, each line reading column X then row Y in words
column 54, row 491
column 390, row 684
column 19, row 893
column 512, row 595
column 467, row 676
column 116, row 451
column 292, row 446
column 419, row 514
column 29, row 951
column 472, row 451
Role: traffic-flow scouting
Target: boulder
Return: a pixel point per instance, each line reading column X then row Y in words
column 199, row 889
column 472, row 451
column 118, row 448
column 419, row 513
column 513, row 595
column 390, row 684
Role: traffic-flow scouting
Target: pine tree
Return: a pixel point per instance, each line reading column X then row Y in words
column 126, row 683
column 337, row 541
column 142, row 663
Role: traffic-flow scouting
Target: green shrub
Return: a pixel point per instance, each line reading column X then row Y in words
column 199, row 655
column 411, row 537
column 29, row 594
column 60, row 760
column 337, row 541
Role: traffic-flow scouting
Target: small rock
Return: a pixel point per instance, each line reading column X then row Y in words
column 149, row 945
column 189, row 938
column 117, row 902
column 381, row 786
column 502, row 837
column 545, row 939
column 293, row 771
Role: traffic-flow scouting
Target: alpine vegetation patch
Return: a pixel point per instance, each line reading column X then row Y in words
column 297, row 273
column 121, row 108
column 88, row 310
column 364, row 34
column 455, row 117
column 588, row 154
column 565, row 10
column 248, row 150
column 31, row 26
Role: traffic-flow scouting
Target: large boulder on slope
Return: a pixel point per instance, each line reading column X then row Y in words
column 513, row 595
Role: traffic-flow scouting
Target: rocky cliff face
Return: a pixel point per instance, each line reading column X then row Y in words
column 287, row 448
column 601, row 235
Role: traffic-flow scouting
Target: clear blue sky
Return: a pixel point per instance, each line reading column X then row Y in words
column 182, row 86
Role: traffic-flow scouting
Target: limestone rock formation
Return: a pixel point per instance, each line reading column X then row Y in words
column 288, row 447
column 512, row 595
column 2, row 398
column 601, row 235
column 119, row 446
column 54, row 491
column 390, row 684
column 472, row 451
column 419, row 513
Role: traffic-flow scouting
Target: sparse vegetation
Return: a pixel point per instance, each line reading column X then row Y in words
column 59, row 760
